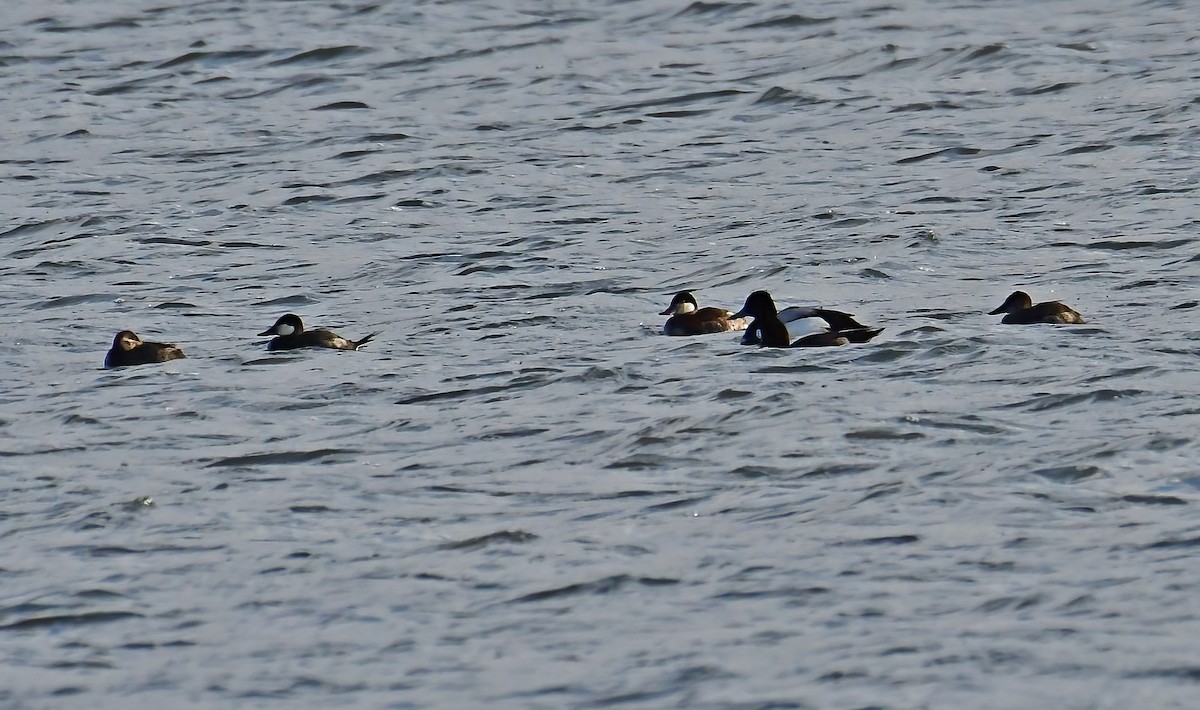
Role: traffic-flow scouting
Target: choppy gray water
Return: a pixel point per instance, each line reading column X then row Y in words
column 520, row 495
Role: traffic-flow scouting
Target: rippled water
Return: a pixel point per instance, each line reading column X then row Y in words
column 520, row 494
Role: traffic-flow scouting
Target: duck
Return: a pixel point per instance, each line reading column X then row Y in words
column 1020, row 309
column 129, row 349
column 799, row 326
column 289, row 334
column 688, row 318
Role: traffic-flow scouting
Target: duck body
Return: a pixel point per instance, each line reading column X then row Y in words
column 1020, row 309
column 290, row 334
column 804, row 321
column 129, row 349
column 799, row 326
column 687, row 318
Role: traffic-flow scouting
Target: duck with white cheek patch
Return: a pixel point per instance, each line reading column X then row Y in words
column 688, row 318
column 290, row 334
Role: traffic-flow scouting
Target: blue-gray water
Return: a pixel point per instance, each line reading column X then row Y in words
column 520, row 495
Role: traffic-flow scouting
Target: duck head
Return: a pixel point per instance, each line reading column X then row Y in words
column 1019, row 300
column 289, row 324
column 126, row 340
column 684, row 302
column 758, row 305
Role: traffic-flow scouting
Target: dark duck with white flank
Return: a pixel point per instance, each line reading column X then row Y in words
column 805, row 327
column 688, row 318
column 290, row 334
column 129, row 349
column 1020, row 309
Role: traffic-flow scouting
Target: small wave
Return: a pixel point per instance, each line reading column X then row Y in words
column 986, row 50
column 385, row 137
column 1126, row 244
column 969, row 423
column 176, row 241
column 1068, row 474
column 885, row 540
column 643, row 462
column 883, row 434
column 715, row 8
column 467, row 392
column 753, row 472
column 294, row 300
column 69, row 301
column 1045, row 89
column 132, row 85
column 214, row 58
column 305, row 199
column 689, row 502
column 607, row 585
column 838, row 469
column 323, row 55
column 780, row 95
column 1089, row 148
column 501, row 537
column 954, row 152
column 677, row 99
column 463, row 54
column 788, row 21
column 249, row 245
column 95, row 617
column 311, row 509
column 1174, row 543
column 1046, row 402
column 342, row 106
column 940, row 105
column 277, row 458
column 887, row 352
column 790, row 593
column 1153, row 500
column 33, row 227
column 1012, row 603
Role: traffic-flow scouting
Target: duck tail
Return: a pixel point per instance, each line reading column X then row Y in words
column 860, row 335
column 838, row 320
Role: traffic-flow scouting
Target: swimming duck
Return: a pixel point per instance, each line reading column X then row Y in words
column 1020, row 309
column 289, row 334
column 805, row 327
column 687, row 318
column 129, row 349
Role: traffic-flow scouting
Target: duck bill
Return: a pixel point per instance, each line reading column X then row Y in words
column 740, row 314
column 268, row 331
column 996, row 312
column 668, row 312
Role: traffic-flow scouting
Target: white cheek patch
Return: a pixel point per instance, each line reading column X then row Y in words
column 684, row 307
column 284, row 329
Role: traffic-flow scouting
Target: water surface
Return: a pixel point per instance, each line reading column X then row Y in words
column 520, row 494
